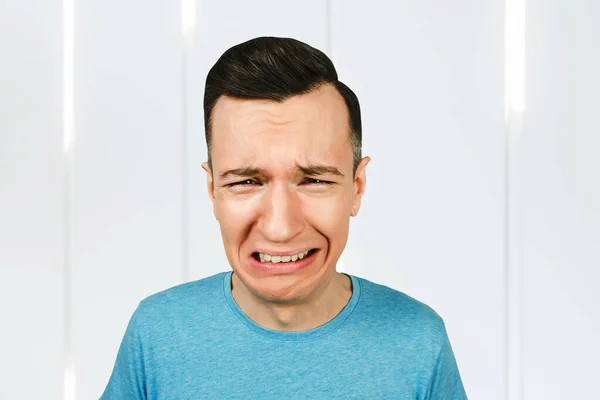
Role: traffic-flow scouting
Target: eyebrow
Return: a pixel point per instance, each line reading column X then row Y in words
column 241, row 172
column 313, row 170
column 316, row 170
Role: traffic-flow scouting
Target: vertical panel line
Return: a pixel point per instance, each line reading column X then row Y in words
column 514, row 261
column 328, row 28
column 68, row 97
column 184, row 167
column 515, row 41
column 188, row 24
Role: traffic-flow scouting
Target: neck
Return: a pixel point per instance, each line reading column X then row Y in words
column 323, row 305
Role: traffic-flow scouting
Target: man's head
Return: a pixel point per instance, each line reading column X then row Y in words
column 285, row 171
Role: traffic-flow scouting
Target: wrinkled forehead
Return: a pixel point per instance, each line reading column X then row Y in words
column 304, row 129
column 322, row 108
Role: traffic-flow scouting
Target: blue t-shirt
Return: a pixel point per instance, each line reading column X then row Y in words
column 193, row 341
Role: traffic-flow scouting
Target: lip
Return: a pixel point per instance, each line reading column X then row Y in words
column 281, row 267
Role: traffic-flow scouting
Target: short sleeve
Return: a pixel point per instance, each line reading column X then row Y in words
column 127, row 380
column 445, row 383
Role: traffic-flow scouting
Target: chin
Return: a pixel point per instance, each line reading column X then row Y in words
column 284, row 284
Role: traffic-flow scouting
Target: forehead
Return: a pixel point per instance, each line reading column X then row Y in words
column 307, row 128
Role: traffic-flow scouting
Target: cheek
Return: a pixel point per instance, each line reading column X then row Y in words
column 327, row 214
column 234, row 217
column 330, row 216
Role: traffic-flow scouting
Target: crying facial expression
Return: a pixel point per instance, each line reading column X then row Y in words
column 283, row 189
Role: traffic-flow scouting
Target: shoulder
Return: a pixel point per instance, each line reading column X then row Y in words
column 396, row 312
column 190, row 297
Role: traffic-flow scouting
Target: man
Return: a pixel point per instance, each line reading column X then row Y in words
column 285, row 174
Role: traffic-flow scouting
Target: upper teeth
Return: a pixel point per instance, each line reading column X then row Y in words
column 275, row 259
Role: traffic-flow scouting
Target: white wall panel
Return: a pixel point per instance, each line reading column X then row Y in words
column 135, row 218
column 128, row 169
column 31, row 201
column 429, row 76
column 220, row 25
column 561, row 201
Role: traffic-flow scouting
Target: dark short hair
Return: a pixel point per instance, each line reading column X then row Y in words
column 276, row 68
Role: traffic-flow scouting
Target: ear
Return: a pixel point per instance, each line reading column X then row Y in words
column 360, row 184
column 210, row 185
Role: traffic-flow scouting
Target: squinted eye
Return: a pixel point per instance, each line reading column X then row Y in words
column 246, row 182
column 311, row 181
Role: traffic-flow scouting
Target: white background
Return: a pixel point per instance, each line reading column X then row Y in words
column 493, row 221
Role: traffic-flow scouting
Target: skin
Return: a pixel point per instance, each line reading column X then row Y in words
column 273, row 206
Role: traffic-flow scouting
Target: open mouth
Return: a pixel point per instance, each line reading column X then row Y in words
column 267, row 258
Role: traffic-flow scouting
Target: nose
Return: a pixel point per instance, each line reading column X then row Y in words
column 281, row 217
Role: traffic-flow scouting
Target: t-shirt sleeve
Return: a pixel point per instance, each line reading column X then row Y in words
column 445, row 383
column 127, row 380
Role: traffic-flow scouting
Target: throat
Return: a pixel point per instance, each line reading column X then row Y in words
column 308, row 314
